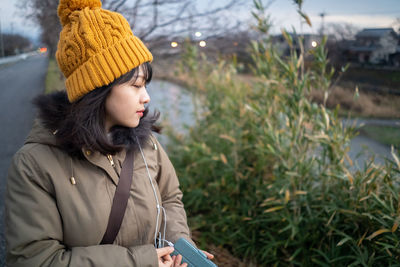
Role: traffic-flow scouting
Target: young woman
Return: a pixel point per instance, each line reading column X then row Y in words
column 62, row 182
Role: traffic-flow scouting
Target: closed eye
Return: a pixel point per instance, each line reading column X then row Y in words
column 139, row 85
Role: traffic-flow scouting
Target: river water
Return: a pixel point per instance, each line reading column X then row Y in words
column 176, row 107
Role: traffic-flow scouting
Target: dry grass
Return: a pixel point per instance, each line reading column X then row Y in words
column 54, row 78
column 365, row 105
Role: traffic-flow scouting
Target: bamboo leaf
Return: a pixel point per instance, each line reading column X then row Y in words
column 223, row 159
column 273, row 209
column 298, row 2
column 326, row 118
column 362, row 238
column 306, row 18
column 381, row 201
column 299, row 61
column 388, row 252
column 348, row 159
column 396, row 159
column 350, row 176
column 331, row 218
column 395, row 225
column 227, row 137
column 344, row 240
column 295, row 254
column 287, row 196
column 376, row 233
column 287, row 37
column 258, row 4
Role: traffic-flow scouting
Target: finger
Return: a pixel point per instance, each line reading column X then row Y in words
column 175, row 259
column 167, row 258
column 183, row 265
column 209, row 255
column 178, row 260
column 164, row 251
column 164, row 264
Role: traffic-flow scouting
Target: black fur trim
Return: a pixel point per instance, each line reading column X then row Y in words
column 53, row 112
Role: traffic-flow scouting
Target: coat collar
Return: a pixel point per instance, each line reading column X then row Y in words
column 104, row 162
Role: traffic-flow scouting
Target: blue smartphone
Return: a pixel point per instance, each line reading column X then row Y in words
column 191, row 255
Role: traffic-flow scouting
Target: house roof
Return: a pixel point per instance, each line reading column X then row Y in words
column 362, row 48
column 378, row 32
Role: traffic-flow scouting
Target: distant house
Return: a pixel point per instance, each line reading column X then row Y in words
column 374, row 46
column 395, row 58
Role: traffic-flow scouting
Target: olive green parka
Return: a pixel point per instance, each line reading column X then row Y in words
column 53, row 219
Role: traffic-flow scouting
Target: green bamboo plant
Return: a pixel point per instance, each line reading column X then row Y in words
column 266, row 173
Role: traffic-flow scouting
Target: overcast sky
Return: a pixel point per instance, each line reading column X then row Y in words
column 360, row 13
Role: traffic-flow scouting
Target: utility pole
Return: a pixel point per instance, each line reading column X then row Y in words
column 1, row 42
column 322, row 15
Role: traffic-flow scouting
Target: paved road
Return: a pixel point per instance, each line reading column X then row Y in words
column 375, row 122
column 363, row 148
column 19, row 83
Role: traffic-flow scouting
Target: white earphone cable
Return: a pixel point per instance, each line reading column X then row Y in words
column 161, row 237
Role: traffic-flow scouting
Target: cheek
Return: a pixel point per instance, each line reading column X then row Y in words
column 121, row 105
column 113, row 105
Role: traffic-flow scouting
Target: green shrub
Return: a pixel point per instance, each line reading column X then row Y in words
column 265, row 173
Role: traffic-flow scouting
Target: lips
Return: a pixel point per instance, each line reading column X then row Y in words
column 140, row 112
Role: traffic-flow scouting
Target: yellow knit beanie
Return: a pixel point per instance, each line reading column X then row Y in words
column 96, row 46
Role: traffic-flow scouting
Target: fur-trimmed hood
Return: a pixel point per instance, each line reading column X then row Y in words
column 58, row 206
column 53, row 110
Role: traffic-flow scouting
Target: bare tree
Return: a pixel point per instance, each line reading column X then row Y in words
column 396, row 25
column 15, row 43
column 174, row 16
column 149, row 18
column 44, row 13
column 341, row 31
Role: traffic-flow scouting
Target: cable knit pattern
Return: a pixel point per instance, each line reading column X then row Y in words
column 96, row 46
column 66, row 7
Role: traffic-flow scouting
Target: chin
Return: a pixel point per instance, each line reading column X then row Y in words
column 129, row 123
column 134, row 124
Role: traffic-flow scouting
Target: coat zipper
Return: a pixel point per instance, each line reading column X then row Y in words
column 111, row 160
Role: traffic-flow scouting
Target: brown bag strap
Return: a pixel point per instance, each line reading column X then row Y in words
column 120, row 200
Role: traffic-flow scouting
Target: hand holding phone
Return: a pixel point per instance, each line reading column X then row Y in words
column 191, row 255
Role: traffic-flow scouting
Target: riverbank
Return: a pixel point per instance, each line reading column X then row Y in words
column 353, row 97
column 176, row 107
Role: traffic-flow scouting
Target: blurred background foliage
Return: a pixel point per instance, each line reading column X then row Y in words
column 266, row 172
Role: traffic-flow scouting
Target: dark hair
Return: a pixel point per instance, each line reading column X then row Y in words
column 81, row 124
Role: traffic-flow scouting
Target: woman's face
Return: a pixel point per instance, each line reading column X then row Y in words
column 125, row 103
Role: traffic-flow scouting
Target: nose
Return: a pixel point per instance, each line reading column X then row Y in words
column 145, row 98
